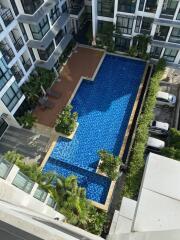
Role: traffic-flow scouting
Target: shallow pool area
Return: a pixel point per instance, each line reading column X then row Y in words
column 104, row 107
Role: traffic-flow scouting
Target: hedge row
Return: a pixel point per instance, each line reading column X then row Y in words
column 136, row 167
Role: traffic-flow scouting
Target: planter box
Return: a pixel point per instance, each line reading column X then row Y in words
column 70, row 137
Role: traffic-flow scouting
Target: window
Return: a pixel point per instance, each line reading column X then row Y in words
column 122, row 44
column 178, row 16
column 30, row 6
column 175, row 35
column 170, row 54
column 32, row 54
column 161, row 33
column 14, row 7
column 3, row 126
column 138, row 24
column 54, row 14
column 105, row 8
column 127, row 6
column 21, row 25
column 151, row 6
column 168, row 9
column 12, row 96
column 5, row 168
column 124, row 25
column 39, row 30
column 156, row 52
column 40, row 194
column 51, row 202
column 146, row 25
column 45, row 54
column 23, row 182
column 141, row 5
column 59, row 37
column 5, row 73
column 64, row 8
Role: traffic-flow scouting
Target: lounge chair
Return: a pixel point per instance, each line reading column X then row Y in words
column 52, row 93
column 45, row 103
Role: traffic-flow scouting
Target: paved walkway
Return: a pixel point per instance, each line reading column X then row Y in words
column 83, row 62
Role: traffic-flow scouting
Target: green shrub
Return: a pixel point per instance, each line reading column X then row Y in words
column 109, row 164
column 66, row 121
column 27, row 120
column 174, row 138
column 136, row 167
column 171, row 152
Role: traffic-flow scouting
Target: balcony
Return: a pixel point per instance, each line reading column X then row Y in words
column 6, row 16
column 56, row 53
column 44, row 43
column 7, row 53
column 17, row 73
column 76, row 7
column 18, row 44
column 39, row 14
column 27, row 65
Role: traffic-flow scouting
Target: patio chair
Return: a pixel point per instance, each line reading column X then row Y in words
column 52, row 93
column 45, row 103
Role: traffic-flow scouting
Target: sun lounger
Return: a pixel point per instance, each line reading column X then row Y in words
column 52, row 93
column 45, row 103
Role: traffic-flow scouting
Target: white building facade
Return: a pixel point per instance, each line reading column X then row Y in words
column 159, row 19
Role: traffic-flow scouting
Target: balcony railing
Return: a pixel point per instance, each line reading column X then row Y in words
column 27, row 65
column 6, row 16
column 18, row 44
column 7, row 54
column 18, row 74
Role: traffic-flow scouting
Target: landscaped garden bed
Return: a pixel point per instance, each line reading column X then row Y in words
column 137, row 162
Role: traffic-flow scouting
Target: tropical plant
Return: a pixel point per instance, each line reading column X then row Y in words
column 139, row 48
column 13, row 157
column 109, row 164
column 66, row 121
column 171, row 152
column 136, row 168
column 96, row 221
column 174, row 138
column 27, row 120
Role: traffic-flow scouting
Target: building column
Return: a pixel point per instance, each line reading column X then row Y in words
column 177, row 59
column 94, row 21
column 159, row 8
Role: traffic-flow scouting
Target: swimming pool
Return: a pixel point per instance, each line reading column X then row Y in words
column 104, row 107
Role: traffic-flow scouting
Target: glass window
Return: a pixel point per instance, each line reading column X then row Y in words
column 64, row 8
column 146, row 25
column 30, row 6
column 23, row 182
column 122, row 44
column 40, row 194
column 14, row 7
column 32, row 54
column 178, row 16
column 5, row 73
column 168, row 9
column 124, row 25
column 151, row 6
column 105, row 8
column 170, row 54
column 51, row 202
column 12, row 96
column 45, row 54
column 21, row 25
column 156, row 52
column 5, row 168
column 59, row 37
column 127, row 6
column 141, row 5
column 54, row 14
column 161, row 33
column 138, row 24
column 175, row 35
column 39, row 30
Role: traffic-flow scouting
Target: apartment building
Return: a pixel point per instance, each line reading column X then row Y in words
column 159, row 19
column 33, row 33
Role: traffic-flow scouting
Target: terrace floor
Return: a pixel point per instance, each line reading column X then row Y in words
column 82, row 63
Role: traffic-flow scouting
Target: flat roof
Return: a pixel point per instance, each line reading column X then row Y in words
column 158, row 206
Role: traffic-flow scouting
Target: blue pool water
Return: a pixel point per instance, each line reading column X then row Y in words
column 104, row 107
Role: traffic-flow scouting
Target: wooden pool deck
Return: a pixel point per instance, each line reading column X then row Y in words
column 82, row 63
